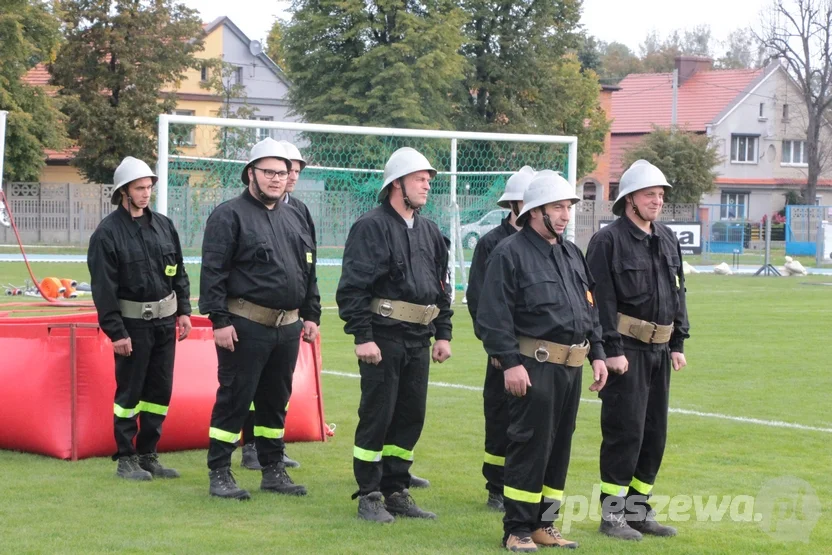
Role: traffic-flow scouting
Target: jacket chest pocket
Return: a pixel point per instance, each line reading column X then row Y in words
column 541, row 291
column 673, row 264
column 132, row 266
column 632, row 276
column 256, row 253
column 169, row 265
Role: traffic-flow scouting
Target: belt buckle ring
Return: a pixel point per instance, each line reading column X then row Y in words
column 427, row 314
column 147, row 312
column 541, row 350
column 653, row 333
column 385, row 308
column 281, row 314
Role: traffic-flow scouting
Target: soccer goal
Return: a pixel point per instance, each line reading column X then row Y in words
column 201, row 158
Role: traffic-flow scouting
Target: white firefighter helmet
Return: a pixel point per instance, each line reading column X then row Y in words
column 403, row 162
column 516, row 186
column 128, row 171
column 267, row 148
column 293, row 153
column 641, row 175
column 546, row 187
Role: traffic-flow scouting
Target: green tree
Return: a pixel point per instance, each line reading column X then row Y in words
column 508, row 45
column 742, row 51
column 223, row 82
column 617, row 62
column 383, row 62
column 118, row 56
column 29, row 34
column 274, row 44
column 687, row 160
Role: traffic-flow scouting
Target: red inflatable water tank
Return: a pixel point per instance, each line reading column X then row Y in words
column 58, row 380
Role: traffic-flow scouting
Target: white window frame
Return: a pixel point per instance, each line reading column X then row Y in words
column 190, row 140
column 790, row 162
column 261, row 133
column 751, row 140
column 725, row 204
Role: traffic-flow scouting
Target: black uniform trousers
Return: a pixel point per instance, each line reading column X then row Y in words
column 144, row 381
column 634, row 427
column 495, row 408
column 391, row 415
column 259, row 370
column 541, row 424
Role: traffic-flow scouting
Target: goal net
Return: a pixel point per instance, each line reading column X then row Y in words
column 200, row 161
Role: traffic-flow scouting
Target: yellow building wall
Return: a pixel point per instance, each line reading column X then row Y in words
column 61, row 174
column 213, row 49
column 203, row 135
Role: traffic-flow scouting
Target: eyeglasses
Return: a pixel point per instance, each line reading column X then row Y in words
column 271, row 174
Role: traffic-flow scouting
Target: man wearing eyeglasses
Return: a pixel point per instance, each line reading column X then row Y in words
column 258, row 287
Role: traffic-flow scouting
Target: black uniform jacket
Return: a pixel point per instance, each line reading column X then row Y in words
column 135, row 263
column 640, row 275
column 476, row 275
column 384, row 258
column 266, row 257
column 537, row 290
column 307, row 215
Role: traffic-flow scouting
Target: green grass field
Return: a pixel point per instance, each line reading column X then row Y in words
column 760, row 350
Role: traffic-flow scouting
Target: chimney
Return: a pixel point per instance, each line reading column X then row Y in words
column 688, row 65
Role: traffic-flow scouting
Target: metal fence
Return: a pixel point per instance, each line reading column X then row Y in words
column 67, row 214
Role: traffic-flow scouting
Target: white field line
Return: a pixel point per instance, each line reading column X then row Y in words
column 718, row 416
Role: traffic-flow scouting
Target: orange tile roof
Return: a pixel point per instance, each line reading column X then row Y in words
column 646, row 99
column 38, row 76
column 60, row 155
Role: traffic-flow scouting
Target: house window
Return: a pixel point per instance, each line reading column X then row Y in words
column 785, row 112
column 183, row 134
column 203, row 73
column 762, row 107
column 744, row 149
column 238, row 76
column 263, row 132
column 734, row 206
column 794, row 153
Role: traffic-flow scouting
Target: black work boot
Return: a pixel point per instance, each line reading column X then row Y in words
column 615, row 525
column 495, row 502
column 371, row 507
column 129, row 469
column 290, row 463
column 416, row 482
column 249, row 460
column 402, row 504
column 150, row 462
column 276, row 480
column 648, row 525
column 224, row 485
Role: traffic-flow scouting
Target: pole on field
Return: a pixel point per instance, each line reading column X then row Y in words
column 162, row 166
column 5, row 220
column 454, row 230
column 767, row 269
column 819, row 239
column 572, row 177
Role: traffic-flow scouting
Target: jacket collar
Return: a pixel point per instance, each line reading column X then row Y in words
column 131, row 225
column 388, row 208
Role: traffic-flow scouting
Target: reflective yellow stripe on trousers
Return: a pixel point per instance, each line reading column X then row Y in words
column 396, row 451
column 271, row 433
column 494, row 459
column 523, row 496
column 366, row 455
column 222, row 435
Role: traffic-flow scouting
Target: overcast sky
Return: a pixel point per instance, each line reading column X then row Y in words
column 626, row 21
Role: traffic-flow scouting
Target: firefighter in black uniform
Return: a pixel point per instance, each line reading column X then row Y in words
column 637, row 263
column 539, row 325
column 258, row 281
column 393, row 298
column 249, row 459
column 493, row 393
column 141, row 293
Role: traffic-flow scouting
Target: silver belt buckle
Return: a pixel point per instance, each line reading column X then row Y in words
column 147, row 312
column 541, row 354
column 385, row 308
column 428, row 314
column 280, row 317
